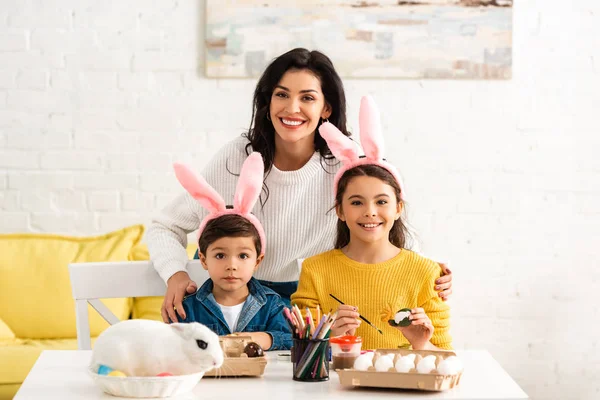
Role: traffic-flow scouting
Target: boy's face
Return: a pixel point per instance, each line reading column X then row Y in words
column 230, row 262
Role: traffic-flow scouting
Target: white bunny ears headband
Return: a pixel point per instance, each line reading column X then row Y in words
column 348, row 152
column 246, row 193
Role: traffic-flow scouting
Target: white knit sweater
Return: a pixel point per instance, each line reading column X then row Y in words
column 297, row 216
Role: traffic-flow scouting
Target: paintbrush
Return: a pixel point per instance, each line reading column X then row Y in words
column 361, row 317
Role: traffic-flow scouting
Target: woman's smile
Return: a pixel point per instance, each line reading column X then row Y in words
column 292, row 123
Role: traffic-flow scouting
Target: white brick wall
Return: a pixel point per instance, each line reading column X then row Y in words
column 98, row 98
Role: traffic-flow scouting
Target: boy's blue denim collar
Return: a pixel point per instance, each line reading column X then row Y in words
column 262, row 312
column 257, row 298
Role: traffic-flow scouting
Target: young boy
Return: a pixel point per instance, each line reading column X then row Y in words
column 231, row 247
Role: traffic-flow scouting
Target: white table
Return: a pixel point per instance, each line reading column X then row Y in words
column 62, row 374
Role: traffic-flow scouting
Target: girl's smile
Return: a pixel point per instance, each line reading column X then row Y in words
column 371, row 226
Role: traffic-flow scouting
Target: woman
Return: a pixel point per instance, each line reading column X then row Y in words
column 296, row 93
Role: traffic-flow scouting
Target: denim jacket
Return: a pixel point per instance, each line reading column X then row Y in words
column 262, row 312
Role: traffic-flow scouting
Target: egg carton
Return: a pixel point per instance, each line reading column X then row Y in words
column 236, row 363
column 432, row 381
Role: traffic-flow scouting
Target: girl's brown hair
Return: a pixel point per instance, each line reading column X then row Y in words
column 399, row 233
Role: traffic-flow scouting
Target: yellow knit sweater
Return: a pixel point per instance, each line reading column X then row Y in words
column 378, row 290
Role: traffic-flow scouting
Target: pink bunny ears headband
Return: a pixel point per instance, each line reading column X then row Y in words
column 246, row 193
column 348, row 152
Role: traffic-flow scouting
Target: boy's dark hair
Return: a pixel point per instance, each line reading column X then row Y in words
column 228, row 225
column 399, row 233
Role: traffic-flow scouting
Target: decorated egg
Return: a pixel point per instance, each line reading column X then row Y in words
column 104, row 370
column 253, row 349
column 117, row 373
column 401, row 318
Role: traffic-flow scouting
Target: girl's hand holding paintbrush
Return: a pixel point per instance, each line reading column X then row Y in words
column 347, row 321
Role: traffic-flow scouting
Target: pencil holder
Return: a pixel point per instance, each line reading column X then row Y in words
column 310, row 358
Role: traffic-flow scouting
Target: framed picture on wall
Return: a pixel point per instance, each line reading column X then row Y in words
column 445, row 39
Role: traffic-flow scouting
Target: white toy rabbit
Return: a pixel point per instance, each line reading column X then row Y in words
column 140, row 347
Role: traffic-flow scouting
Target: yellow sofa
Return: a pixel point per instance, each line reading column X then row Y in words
column 37, row 311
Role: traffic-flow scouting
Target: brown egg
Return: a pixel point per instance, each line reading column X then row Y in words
column 253, row 349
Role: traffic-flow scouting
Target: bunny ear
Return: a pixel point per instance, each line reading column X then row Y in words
column 249, row 184
column 199, row 188
column 342, row 147
column 370, row 129
column 182, row 329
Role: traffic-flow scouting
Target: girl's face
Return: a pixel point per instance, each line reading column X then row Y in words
column 369, row 208
column 297, row 104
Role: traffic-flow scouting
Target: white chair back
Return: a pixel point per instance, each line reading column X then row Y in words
column 91, row 282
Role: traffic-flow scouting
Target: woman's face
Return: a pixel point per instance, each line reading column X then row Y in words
column 297, row 104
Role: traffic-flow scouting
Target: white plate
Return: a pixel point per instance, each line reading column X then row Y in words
column 151, row 386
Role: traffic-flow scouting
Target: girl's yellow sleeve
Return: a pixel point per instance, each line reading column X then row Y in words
column 306, row 295
column 437, row 310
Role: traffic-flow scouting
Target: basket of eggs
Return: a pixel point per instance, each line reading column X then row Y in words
column 243, row 357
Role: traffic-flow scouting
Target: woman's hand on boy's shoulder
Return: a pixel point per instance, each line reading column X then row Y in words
column 178, row 285
column 443, row 285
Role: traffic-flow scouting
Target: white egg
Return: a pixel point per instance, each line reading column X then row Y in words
column 404, row 364
column 363, row 362
column 383, row 364
column 425, row 366
column 391, row 356
column 448, row 367
column 412, row 357
column 455, row 360
column 430, row 358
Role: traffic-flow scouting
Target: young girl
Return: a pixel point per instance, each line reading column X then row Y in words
column 296, row 93
column 231, row 244
column 369, row 270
